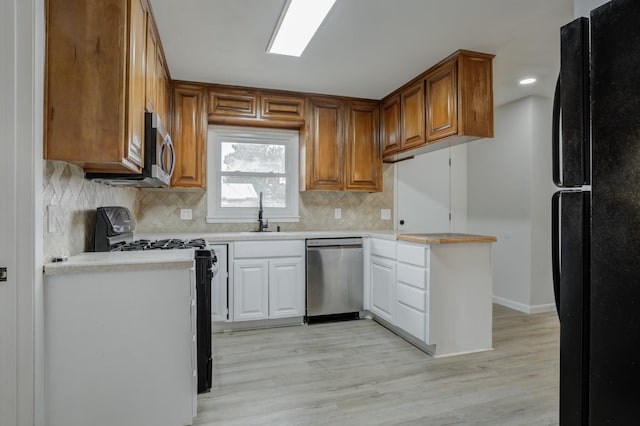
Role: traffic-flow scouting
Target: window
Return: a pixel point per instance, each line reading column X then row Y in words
column 245, row 162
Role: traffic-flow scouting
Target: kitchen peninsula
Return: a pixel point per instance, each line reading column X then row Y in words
column 434, row 290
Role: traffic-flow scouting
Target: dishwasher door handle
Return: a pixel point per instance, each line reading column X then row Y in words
column 318, row 248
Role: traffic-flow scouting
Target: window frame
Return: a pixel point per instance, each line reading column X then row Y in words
column 288, row 138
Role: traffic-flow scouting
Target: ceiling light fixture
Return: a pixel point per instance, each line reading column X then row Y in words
column 527, row 81
column 298, row 22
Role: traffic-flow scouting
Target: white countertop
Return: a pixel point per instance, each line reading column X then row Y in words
column 178, row 259
column 222, row 237
column 122, row 261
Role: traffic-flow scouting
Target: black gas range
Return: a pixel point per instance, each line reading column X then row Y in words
column 166, row 244
column 114, row 232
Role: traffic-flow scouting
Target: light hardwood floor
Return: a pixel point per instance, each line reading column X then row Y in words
column 359, row 373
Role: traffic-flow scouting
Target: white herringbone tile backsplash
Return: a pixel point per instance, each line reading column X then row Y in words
column 159, row 211
column 74, row 201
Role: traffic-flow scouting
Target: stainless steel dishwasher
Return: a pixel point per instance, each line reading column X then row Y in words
column 334, row 279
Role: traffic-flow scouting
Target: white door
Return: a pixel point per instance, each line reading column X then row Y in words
column 423, row 187
column 383, row 294
column 250, row 290
column 219, row 286
column 286, row 288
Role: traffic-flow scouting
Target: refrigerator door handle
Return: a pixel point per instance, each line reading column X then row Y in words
column 555, row 246
column 555, row 135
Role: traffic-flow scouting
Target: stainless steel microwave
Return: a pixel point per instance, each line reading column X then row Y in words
column 159, row 160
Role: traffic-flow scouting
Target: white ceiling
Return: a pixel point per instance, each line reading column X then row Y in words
column 364, row 48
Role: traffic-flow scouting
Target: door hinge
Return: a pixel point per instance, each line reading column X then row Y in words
column 449, row 162
column 227, row 313
column 449, row 216
column 3, row 274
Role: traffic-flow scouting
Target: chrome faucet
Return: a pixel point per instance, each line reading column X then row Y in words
column 262, row 225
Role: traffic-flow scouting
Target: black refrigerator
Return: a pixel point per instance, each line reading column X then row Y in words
column 596, row 216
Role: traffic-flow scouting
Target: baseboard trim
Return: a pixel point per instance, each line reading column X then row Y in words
column 534, row 309
column 539, row 309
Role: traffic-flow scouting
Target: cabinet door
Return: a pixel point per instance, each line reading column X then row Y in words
column 364, row 163
column 219, row 286
column 189, row 130
column 233, row 103
column 250, row 290
column 324, row 145
column 163, row 91
column 412, row 112
column 286, row 288
column 286, row 108
column 136, row 72
column 442, row 102
column 151, row 68
column 383, row 294
column 391, row 130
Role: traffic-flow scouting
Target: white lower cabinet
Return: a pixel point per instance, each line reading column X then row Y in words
column 411, row 320
column 219, row 298
column 286, row 295
column 268, row 280
column 436, row 296
column 383, row 283
column 250, row 290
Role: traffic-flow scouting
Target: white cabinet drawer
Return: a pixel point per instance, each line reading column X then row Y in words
column 412, row 275
column 253, row 249
column 415, row 254
column 411, row 296
column 411, row 321
column 383, row 248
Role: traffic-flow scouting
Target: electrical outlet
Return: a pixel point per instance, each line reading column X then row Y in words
column 186, row 214
column 385, row 214
column 337, row 213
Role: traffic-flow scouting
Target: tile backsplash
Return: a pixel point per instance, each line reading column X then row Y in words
column 74, row 200
column 158, row 210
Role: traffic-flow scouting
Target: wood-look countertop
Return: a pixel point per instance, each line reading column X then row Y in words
column 446, row 238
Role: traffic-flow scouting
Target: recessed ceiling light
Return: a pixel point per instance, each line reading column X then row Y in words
column 298, row 22
column 527, row 81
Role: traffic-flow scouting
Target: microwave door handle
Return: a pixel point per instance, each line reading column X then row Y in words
column 167, row 144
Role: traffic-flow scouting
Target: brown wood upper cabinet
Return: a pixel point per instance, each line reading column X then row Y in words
column 442, row 102
column 456, row 107
column 254, row 107
column 157, row 87
column 460, row 97
column 189, row 133
column 364, row 161
column 96, row 85
column 233, row 103
column 324, row 145
column 279, row 107
column 390, row 124
column 412, row 115
column 342, row 149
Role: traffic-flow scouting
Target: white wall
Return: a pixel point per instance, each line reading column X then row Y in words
column 541, row 191
column 509, row 191
column 583, row 7
column 498, row 181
